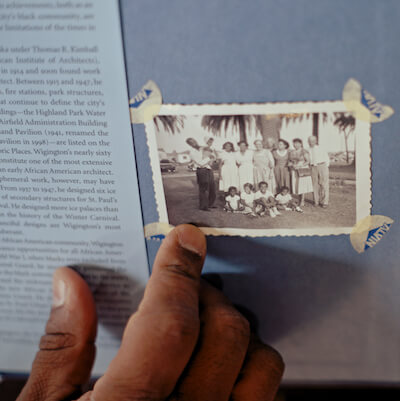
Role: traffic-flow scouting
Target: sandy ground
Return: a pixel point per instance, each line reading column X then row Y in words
column 181, row 194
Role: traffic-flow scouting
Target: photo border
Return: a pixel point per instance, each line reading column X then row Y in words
column 362, row 154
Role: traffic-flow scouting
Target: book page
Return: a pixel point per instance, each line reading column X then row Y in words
column 68, row 186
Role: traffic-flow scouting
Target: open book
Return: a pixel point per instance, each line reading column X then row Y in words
column 278, row 183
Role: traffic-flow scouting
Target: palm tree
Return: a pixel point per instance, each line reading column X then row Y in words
column 346, row 124
column 269, row 126
column 216, row 124
column 170, row 124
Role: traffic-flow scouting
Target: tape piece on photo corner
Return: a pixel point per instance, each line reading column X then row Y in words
column 362, row 104
column 146, row 104
column 369, row 231
column 157, row 231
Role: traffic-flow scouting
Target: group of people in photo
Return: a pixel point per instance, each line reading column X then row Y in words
column 263, row 181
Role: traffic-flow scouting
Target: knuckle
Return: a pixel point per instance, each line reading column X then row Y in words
column 57, row 349
column 57, row 341
column 227, row 320
column 181, row 270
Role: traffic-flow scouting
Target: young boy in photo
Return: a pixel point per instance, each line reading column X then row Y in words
column 285, row 201
column 265, row 201
column 207, row 152
column 247, row 199
column 232, row 201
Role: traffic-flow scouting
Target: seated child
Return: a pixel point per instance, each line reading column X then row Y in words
column 286, row 202
column 265, row 201
column 232, row 201
column 247, row 199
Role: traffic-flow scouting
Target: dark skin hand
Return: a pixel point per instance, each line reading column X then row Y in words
column 185, row 342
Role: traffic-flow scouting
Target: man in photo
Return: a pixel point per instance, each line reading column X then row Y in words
column 319, row 161
column 202, row 162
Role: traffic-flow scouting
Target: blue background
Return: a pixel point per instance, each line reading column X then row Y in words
column 332, row 313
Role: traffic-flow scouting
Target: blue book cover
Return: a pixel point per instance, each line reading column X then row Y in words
column 327, row 300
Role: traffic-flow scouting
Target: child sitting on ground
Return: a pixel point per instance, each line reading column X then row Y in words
column 247, row 199
column 232, row 201
column 265, row 201
column 285, row 201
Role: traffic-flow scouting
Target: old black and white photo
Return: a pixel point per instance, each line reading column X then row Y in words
column 265, row 169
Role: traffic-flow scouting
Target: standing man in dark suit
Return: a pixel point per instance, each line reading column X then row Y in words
column 205, row 175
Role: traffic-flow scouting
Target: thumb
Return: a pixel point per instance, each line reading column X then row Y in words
column 67, row 350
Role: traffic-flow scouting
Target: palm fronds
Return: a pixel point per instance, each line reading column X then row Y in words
column 218, row 124
column 345, row 121
column 170, row 124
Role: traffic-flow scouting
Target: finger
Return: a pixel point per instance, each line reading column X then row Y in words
column 66, row 351
column 261, row 374
column 221, row 350
column 160, row 337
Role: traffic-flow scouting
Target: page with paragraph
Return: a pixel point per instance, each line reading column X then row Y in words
column 68, row 186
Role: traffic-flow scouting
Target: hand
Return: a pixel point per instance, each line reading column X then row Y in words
column 185, row 342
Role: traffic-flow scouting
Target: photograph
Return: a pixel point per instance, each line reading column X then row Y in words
column 262, row 169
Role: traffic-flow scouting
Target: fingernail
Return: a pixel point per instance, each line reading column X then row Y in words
column 59, row 292
column 191, row 239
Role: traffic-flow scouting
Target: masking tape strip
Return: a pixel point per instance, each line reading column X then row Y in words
column 369, row 231
column 157, row 231
column 146, row 104
column 365, row 234
column 362, row 104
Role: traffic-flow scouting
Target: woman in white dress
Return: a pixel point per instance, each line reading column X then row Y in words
column 229, row 176
column 264, row 164
column 244, row 159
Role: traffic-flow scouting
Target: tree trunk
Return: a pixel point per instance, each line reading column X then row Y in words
column 242, row 130
column 270, row 129
column 315, row 128
column 346, row 146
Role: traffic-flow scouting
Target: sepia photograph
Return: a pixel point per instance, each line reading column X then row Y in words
column 295, row 170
